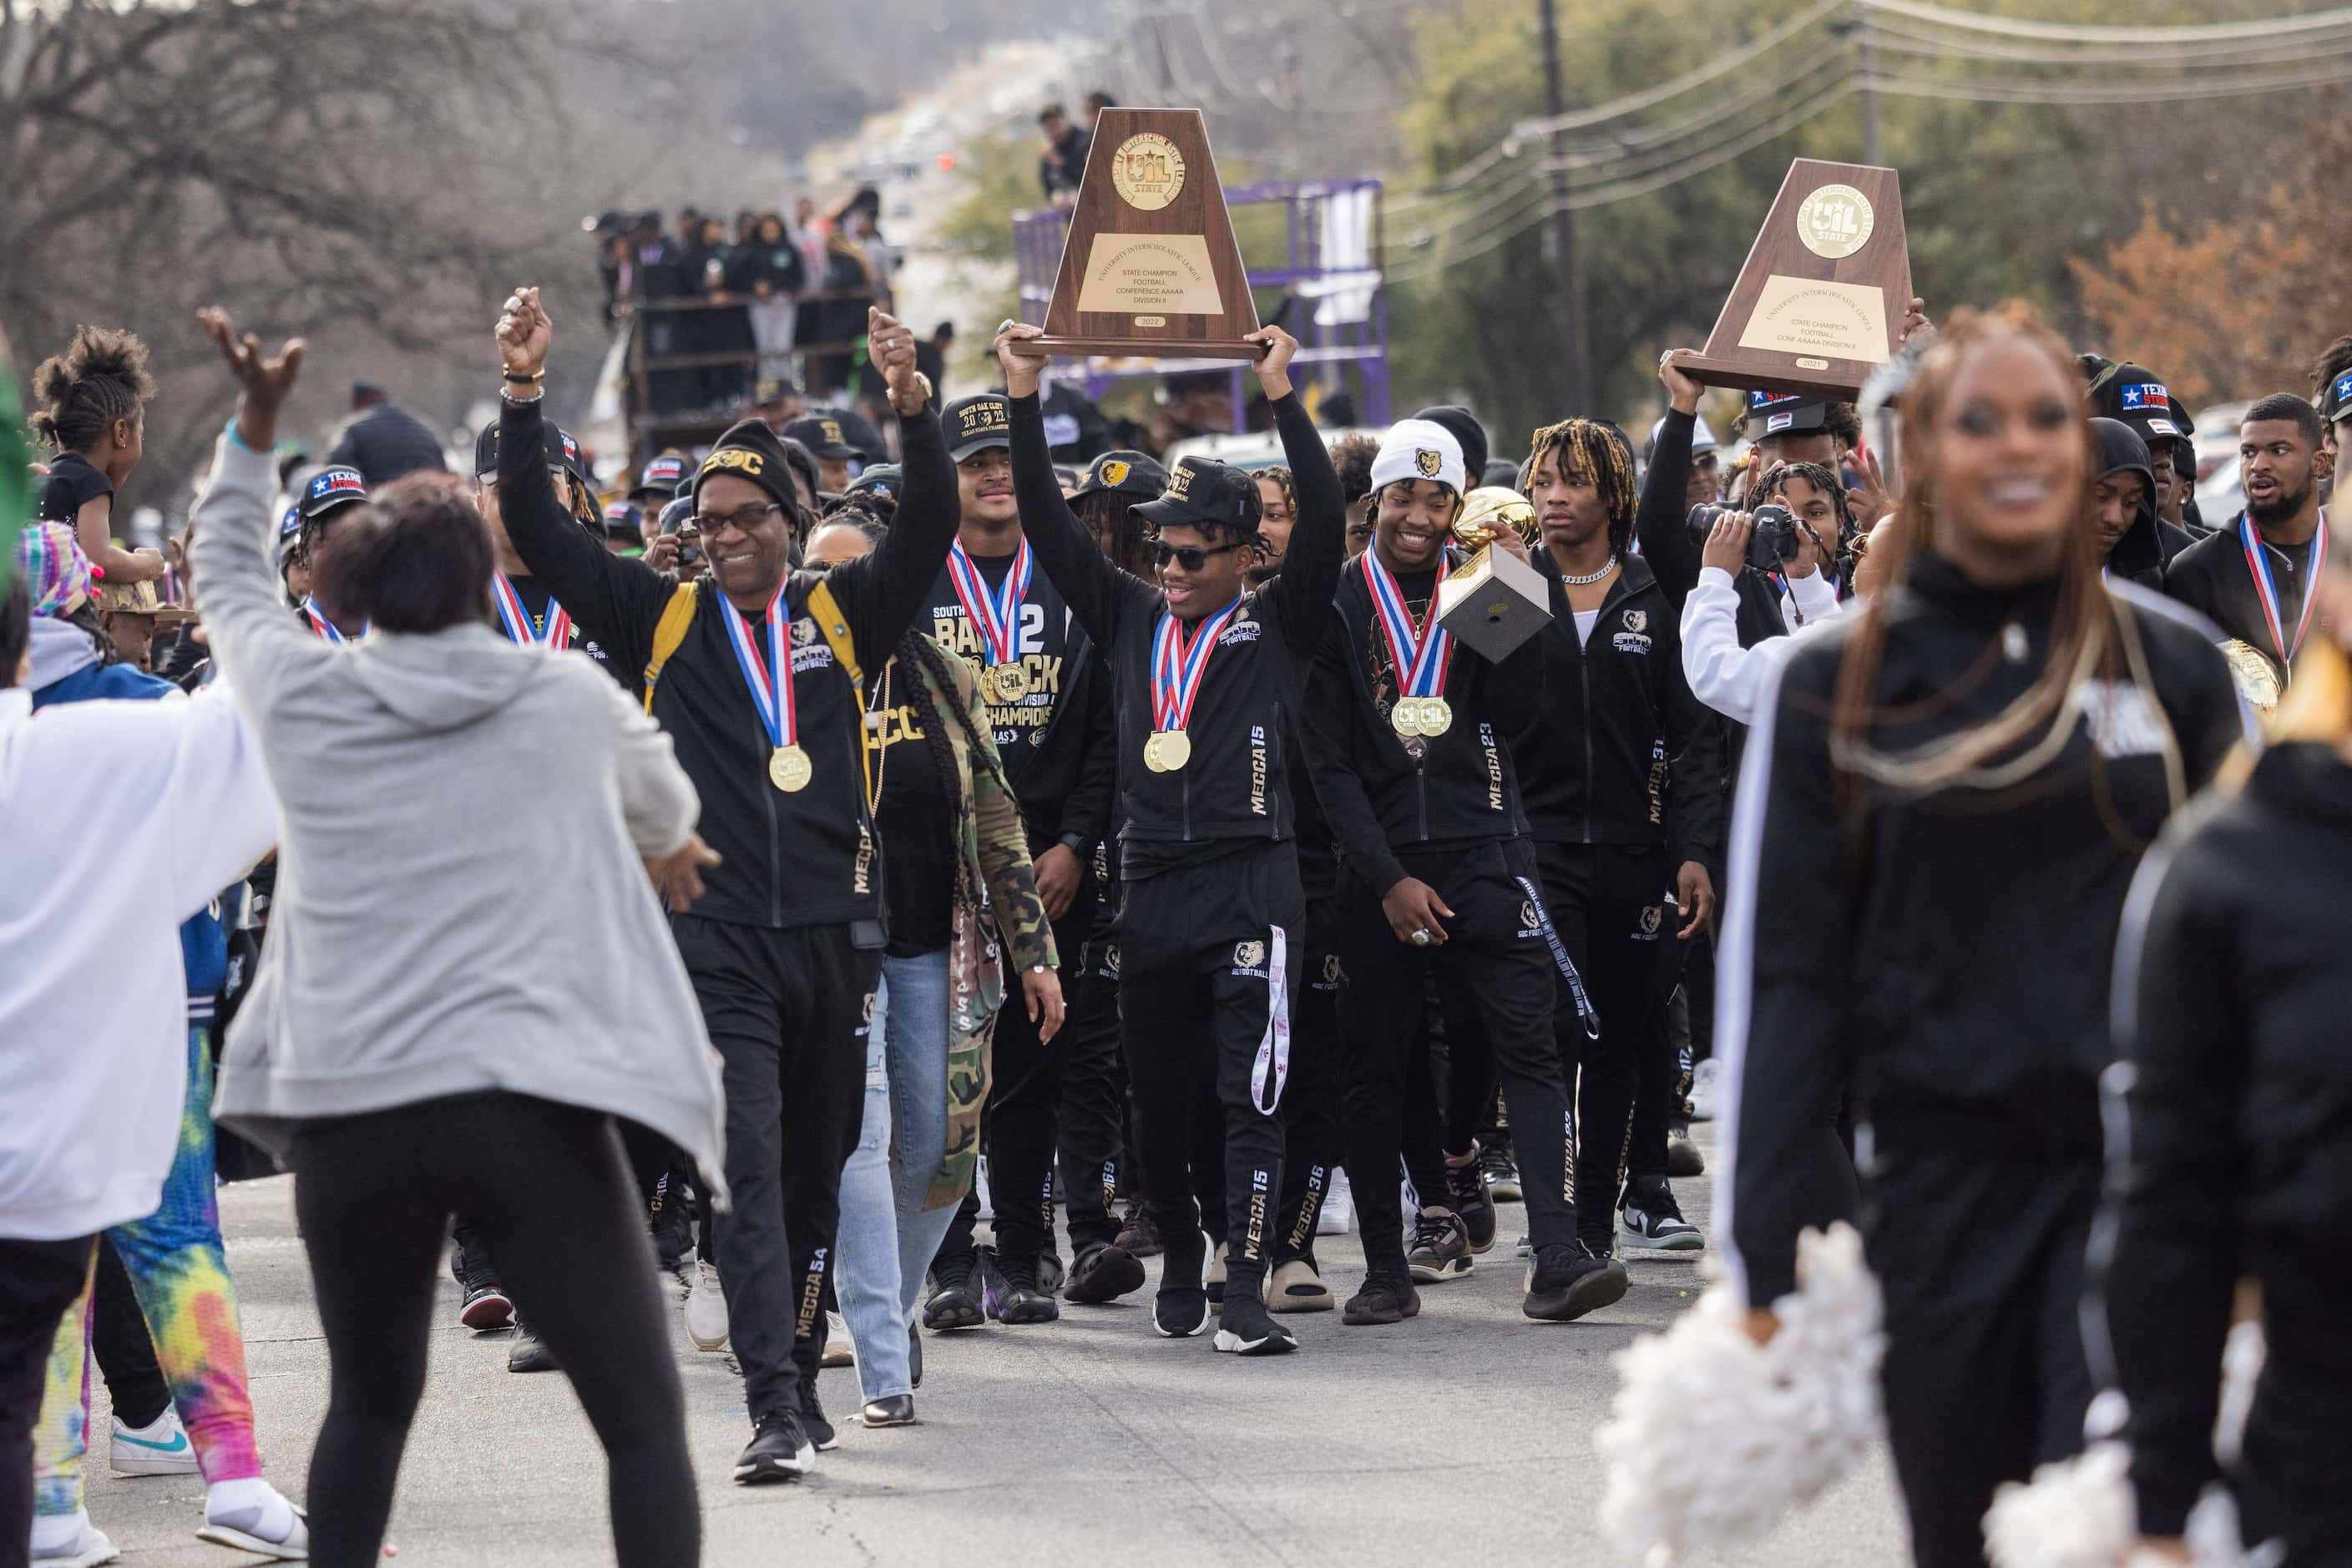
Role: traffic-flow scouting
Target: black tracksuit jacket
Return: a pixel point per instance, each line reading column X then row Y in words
column 2231, row 1152
column 2212, row 578
column 1620, row 752
column 1950, row 962
column 1237, row 785
column 1464, row 790
column 804, row 858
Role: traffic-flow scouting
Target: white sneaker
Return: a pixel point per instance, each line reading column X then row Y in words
column 159, row 1449
column 1339, row 1216
column 72, row 1542
column 980, row 1185
column 706, row 1310
column 1706, row 1083
column 272, row 1526
column 838, row 1350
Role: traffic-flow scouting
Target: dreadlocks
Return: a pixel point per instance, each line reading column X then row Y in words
column 1597, row 453
column 1110, row 520
column 1822, row 478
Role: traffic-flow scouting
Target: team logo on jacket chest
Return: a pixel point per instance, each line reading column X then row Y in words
column 803, row 632
column 1634, row 638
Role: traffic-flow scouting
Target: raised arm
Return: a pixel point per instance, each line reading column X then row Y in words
column 232, row 533
column 615, row 601
column 1319, row 536
column 1091, row 585
column 1660, row 518
column 880, row 592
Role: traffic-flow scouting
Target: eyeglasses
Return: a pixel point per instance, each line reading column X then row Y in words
column 1189, row 557
column 746, row 518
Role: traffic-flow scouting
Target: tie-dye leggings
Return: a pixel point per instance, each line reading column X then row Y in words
column 178, row 1271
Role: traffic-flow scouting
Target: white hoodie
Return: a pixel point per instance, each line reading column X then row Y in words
column 118, row 821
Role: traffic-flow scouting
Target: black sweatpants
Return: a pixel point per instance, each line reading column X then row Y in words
column 1980, row 1255
column 1608, row 904
column 120, row 1343
column 1496, row 966
column 788, row 1010
column 1210, row 957
column 38, row 1280
column 548, row 1191
column 1310, row 1103
column 1092, row 1134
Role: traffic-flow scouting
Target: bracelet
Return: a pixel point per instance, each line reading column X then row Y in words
column 508, row 397
column 531, row 380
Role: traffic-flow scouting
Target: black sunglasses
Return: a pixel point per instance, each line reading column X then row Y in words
column 1189, row 557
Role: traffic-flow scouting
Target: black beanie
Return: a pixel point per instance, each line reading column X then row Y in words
column 1464, row 426
column 749, row 450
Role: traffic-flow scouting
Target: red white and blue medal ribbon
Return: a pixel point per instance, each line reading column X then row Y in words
column 770, row 679
column 2266, row 587
column 1178, row 662
column 1422, row 654
column 517, row 620
column 321, row 626
column 998, row 615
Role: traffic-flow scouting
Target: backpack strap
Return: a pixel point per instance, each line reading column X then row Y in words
column 826, row 610
column 676, row 616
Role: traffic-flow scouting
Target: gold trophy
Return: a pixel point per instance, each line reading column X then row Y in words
column 1496, row 601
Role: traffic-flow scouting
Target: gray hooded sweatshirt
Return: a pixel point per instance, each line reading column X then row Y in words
column 461, row 905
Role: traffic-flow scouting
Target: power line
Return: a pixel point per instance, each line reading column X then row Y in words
column 2069, row 32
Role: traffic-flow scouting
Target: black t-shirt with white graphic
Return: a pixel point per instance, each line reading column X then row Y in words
column 1042, row 643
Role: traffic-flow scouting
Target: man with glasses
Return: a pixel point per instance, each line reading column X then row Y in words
column 783, row 936
column 1049, row 705
column 1205, row 677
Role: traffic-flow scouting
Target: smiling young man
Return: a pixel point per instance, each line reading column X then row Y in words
column 1205, row 677
column 1437, row 875
column 1619, row 769
column 1049, row 704
column 2255, row 579
column 784, row 940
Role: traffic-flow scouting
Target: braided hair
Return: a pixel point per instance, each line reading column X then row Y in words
column 1284, row 481
column 1823, row 478
column 101, row 377
column 1110, row 514
column 1597, row 452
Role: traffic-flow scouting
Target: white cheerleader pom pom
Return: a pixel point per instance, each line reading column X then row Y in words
column 2079, row 1513
column 1711, row 1438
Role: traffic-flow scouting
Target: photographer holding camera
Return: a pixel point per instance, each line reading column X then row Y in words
column 1791, row 554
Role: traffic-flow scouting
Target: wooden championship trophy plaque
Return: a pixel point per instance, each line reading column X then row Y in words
column 1822, row 293
column 1149, row 266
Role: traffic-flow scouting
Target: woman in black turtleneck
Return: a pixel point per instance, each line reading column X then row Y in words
column 2232, row 1099
column 1941, row 808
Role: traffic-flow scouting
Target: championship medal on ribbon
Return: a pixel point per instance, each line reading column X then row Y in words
column 517, row 620
column 770, row 679
column 321, row 626
column 1177, row 661
column 1422, row 656
column 997, row 618
column 2266, row 587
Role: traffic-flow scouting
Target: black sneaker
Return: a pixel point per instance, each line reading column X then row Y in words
column 1567, row 1281
column 954, row 1301
column 486, row 1309
column 1465, row 1195
column 1502, row 1173
column 1103, row 1273
column 1683, row 1158
column 779, row 1451
column 820, row 1430
column 1009, row 1290
column 1247, row 1328
column 1652, row 1220
column 529, row 1353
column 1138, row 1236
column 1049, row 1272
column 1181, row 1313
column 1441, row 1247
column 1386, row 1297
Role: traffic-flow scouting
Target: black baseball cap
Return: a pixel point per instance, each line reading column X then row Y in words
column 883, row 481
column 624, row 520
column 659, row 478
column 1127, row 473
column 331, row 489
column 2136, row 395
column 826, row 435
column 1203, row 492
column 975, row 424
column 2335, row 398
column 773, row 389
column 1783, row 414
column 562, row 452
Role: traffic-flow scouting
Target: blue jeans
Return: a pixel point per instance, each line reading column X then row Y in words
column 887, row 1237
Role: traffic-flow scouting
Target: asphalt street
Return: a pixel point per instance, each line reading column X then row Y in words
column 1089, row 1441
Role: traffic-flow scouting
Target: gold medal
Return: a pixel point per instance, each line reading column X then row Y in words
column 1405, row 717
column 1009, row 682
column 1437, row 716
column 1168, row 751
column 789, row 769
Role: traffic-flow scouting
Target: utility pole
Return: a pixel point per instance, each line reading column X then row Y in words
column 1866, row 60
column 1563, row 223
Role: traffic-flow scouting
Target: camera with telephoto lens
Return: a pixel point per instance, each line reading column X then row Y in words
column 1771, row 535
